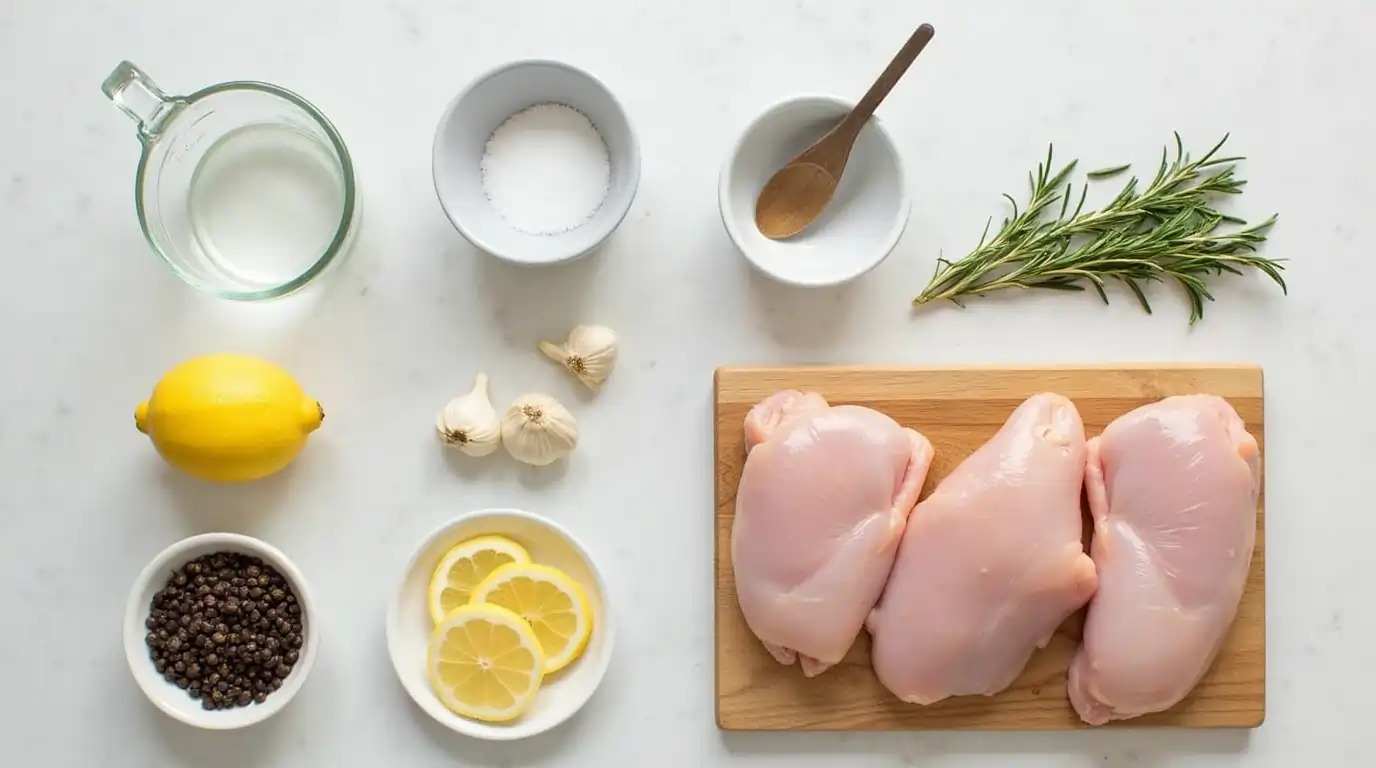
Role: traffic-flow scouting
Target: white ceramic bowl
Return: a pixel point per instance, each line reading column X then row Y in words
column 858, row 229
column 174, row 701
column 484, row 105
column 409, row 626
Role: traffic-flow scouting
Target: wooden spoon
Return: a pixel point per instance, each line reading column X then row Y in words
column 799, row 191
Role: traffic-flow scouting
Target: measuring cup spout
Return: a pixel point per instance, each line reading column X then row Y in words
column 139, row 97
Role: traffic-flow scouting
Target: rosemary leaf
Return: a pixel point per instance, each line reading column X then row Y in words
column 1108, row 173
column 1164, row 231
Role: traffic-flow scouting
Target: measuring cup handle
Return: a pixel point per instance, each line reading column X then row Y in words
column 139, row 97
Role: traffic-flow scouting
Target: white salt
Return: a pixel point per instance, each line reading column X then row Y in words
column 546, row 169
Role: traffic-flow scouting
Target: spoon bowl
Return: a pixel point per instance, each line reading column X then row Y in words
column 793, row 198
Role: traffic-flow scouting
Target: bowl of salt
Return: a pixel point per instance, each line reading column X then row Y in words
column 535, row 162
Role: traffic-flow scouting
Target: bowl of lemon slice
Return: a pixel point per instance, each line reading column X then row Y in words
column 500, row 628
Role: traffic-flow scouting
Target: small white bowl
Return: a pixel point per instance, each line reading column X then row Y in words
column 858, row 229
column 484, row 105
column 174, row 701
column 409, row 626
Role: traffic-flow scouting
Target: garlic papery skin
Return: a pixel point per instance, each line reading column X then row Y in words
column 589, row 354
column 537, row 430
column 469, row 423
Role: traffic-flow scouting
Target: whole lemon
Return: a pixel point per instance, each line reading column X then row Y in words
column 228, row 418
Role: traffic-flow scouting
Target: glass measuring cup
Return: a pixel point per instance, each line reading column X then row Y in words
column 244, row 189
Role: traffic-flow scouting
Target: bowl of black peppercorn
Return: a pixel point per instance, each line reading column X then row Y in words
column 219, row 631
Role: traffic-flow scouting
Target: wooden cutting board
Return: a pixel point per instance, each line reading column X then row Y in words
column 958, row 409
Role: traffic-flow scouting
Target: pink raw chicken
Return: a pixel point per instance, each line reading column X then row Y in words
column 991, row 563
column 823, row 499
column 1173, row 490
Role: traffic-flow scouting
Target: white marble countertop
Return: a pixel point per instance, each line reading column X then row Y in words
column 89, row 319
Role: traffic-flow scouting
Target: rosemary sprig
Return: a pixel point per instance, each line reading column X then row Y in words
column 1167, row 231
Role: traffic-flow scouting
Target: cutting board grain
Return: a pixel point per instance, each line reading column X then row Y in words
column 958, row 409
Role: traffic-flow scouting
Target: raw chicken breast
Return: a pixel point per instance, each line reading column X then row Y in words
column 991, row 563
column 823, row 498
column 1173, row 490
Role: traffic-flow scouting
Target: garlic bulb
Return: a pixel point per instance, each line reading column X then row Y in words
column 589, row 353
column 537, row 430
column 469, row 422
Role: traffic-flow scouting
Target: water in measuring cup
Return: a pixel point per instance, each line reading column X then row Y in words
column 266, row 200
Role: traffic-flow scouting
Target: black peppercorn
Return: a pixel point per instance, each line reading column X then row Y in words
column 227, row 629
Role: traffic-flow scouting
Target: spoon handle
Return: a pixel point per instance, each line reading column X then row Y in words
column 896, row 69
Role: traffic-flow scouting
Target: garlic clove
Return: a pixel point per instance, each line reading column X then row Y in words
column 469, row 423
column 538, row 430
column 589, row 354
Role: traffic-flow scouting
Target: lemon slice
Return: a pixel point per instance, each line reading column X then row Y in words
column 553, row 604
column 485, row 663
column 464, row 566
